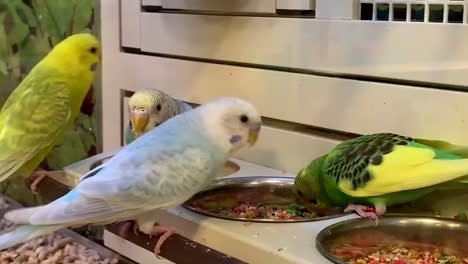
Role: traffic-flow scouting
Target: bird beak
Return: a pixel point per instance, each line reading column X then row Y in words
column 139, row 122
column 253, row 133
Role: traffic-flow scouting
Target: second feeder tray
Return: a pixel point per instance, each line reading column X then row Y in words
column 256, row 199
column 396, row 239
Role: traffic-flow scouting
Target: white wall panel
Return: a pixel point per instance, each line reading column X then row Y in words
column 276, row 148
column 413, row 51
column 257, row 6
column 352, row 106
column 130, row 23
column 295, row 4
column 347, row 105
column 151, row 2
column 285, row 150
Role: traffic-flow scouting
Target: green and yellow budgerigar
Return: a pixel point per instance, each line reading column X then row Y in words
column 381, row 170
column 45, row 104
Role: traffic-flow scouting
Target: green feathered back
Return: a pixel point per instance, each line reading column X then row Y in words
column 351, row 162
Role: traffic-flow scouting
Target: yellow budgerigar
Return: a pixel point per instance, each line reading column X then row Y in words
column 45, row 104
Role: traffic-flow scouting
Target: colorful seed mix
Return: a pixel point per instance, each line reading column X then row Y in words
column 260, row 211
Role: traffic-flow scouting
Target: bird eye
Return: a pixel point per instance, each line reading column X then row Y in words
column 313, row 201
column 244, row 119
column 300, row 193
column 158, row 107
column 93, row 50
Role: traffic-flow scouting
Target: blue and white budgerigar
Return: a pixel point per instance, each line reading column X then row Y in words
column 159, row 170
column 148, row 109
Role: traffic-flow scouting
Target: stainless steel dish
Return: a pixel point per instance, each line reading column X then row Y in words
column 407, row 231
column 226, row 193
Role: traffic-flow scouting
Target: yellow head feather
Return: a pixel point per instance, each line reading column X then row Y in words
column 75, row 59
column 76, row 56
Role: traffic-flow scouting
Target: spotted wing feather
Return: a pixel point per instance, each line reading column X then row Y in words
column 350, row 159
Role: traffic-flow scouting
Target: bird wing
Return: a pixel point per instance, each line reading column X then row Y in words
column 32, row 123
column 124, row 187
column 405, row 168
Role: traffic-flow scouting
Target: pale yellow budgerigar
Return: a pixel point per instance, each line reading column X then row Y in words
column 45, row 104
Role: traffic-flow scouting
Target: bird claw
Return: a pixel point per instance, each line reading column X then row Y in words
column 363, row 211
column 166, row 233
column 37, row 177
column 136, row 228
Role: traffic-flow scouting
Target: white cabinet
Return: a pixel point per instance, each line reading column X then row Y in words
column 251, row 6
column 338, row 9
column 303, row 74
column 295, row 4
column 234, row 6
column 424, row 52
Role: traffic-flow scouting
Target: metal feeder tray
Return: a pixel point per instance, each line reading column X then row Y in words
column 407, row 231
column 226, row 193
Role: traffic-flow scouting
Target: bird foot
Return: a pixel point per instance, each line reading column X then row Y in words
column 36, row 177
column 166, row 233
column 136, row 228
column 363, row 211
column 157, row 230
column 39, row 174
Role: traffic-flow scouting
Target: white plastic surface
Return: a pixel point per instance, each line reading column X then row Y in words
column 151, row 2
column 252, row 6
column 352, row 106
column 295, row 4
column 130, row 23
column 412, row 51
column 337, row 9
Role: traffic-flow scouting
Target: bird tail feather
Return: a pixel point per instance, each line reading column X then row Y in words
column 25, row 233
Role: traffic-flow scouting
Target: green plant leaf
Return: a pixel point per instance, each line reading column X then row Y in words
column 24, row 12
column 3, row 67
column 62, row 13
column 33, row 51
column 19, row 18
column 16, row 30
column 74, row 145
column 68, row 151
column 83, row 15
column 63, row 18
column 48, row 24
column 8, row 84
column 3, row 7
column 4, row 49
column 86, row 128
